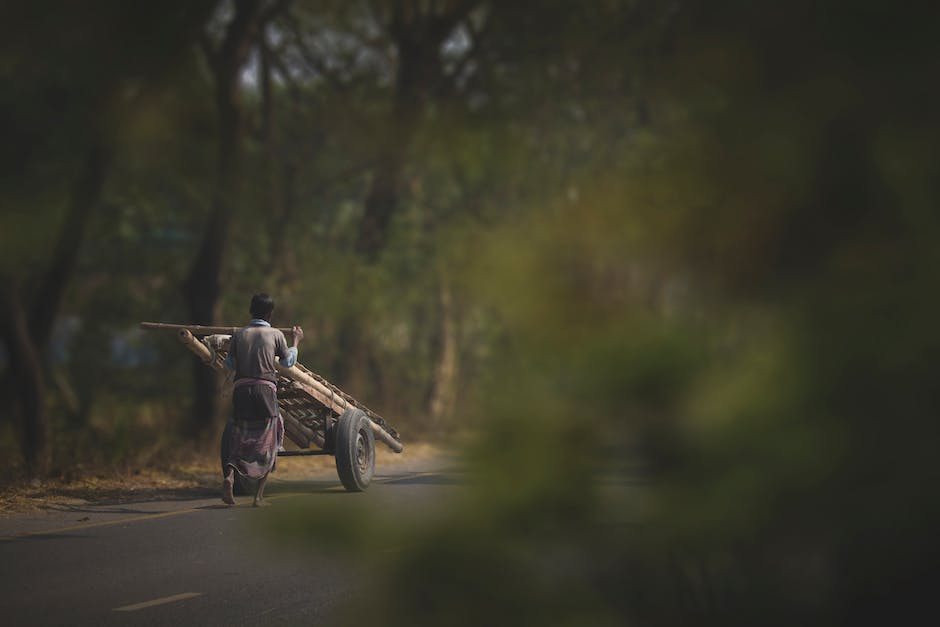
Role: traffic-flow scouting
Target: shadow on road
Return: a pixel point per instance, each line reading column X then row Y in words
column 89, row 498
column 124, row 496
column 420, row 479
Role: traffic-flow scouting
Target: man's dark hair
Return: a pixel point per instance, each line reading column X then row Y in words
column 261, row 306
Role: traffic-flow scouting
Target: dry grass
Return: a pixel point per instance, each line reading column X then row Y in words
column 193, row 475
column 195, row 480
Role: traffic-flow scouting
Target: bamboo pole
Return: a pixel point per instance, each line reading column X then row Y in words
column 197, row 329
column 385, row 437
column 336, row 401
column 301, row 434
column 313, row 387
column 294, row 434
column 202, row 351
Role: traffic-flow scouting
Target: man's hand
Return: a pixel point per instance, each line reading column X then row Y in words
column 298, row 334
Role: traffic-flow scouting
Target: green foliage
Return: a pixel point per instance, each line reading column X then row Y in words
column 689, row 250
column 734, row 309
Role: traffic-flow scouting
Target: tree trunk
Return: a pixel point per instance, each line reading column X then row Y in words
column 28, row 383
column 443, row 400
column 382, row 199
column 27, row 337
column 278, row 179
column 202, row 287
column 85, row 195
column 381, row 203
column 419, row 74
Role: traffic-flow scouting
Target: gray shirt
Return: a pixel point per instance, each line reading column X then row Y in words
column 254, row 348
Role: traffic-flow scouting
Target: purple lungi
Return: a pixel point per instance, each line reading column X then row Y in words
column 255, row 431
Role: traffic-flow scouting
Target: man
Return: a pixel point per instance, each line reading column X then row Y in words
column 255, row 431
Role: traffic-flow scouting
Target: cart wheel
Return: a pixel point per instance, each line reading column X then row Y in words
column 355, row 450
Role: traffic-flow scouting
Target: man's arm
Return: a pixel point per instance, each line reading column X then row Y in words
column 289, row 356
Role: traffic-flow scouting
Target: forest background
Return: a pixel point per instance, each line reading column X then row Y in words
column 693, row 241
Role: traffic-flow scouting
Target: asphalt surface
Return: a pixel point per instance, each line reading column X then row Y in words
column 194, row 561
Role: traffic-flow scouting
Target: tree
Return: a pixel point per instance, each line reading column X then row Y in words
column 738, row 309
column 417, row 30
column 202, row 286
column 73, row 83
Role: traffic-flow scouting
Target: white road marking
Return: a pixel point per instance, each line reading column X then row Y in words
column 170, row 599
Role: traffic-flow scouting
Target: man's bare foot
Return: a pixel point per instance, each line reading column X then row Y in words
column 227, row 487
column 259, row 493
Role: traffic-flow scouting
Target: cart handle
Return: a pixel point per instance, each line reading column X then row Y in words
column 196, row 329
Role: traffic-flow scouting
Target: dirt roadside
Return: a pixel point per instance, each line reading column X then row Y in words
column 195, row 477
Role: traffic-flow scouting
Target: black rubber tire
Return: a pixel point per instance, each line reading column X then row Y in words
column 355, row 450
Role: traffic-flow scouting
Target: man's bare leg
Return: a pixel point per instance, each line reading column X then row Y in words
column 228, row 485
column 259, row 495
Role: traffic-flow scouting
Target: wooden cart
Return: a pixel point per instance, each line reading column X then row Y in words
column 315, row 412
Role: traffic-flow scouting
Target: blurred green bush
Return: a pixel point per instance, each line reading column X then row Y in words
column 712, row 400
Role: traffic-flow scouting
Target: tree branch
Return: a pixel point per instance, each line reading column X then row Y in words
column 475, row 37
column 276, row 8
column 312, row 61
column 441, row 25
column 236, row 45
column 277, row 63
column 212, row 56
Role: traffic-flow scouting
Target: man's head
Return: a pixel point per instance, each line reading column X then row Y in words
column 262, row 306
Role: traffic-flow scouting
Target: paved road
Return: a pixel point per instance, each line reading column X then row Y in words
column 189, row 562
